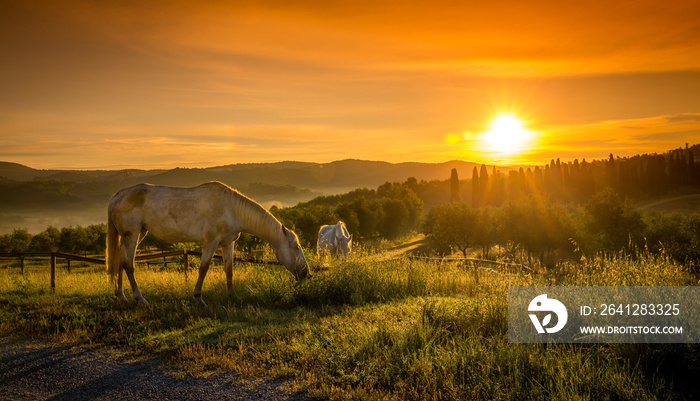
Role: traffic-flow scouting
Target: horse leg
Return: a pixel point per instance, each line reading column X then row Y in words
column 228, row 266
column 119, row 291
column 207, row 253
column 130, row 242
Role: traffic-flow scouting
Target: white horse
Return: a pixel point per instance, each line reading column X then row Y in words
column 335, row 239
column 212, row 214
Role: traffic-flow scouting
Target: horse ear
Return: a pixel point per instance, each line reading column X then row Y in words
column 284, row 230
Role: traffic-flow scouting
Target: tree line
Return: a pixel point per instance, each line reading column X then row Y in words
column 548, row 231
column 636, row 177
column 392, row 210
column 74, row 240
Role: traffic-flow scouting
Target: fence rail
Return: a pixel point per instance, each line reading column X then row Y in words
column 52, row 256
column 493, row 262
column 483, row 261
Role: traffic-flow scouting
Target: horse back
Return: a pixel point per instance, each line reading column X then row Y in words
column 180, row 214
column 326, row 232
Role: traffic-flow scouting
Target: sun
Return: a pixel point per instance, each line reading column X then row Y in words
column 507, row 135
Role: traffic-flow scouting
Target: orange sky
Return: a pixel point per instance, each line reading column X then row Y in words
column 116, row 84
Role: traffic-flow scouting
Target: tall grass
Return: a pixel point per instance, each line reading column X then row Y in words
column 364, row 328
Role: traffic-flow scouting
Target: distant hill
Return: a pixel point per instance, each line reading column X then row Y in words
column 35, row 198
column 334, row 176
column 20, row 172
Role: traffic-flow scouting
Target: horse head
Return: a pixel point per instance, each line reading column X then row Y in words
column 343, row 239
column 290, row 254
column 344, row 245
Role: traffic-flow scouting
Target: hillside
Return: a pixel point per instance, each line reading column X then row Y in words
column 680, row 204
column 330, row 177
column 35, row 198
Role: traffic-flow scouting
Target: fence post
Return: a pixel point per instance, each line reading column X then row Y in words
column 53, row 272
column 21, row 265
column 68, row 261
column 187, row 264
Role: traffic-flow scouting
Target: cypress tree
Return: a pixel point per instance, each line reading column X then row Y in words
column 454, row 186
column 692, row 172
column 484, row 184
column 476, row 188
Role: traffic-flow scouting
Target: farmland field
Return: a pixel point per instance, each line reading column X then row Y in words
column 369, row 327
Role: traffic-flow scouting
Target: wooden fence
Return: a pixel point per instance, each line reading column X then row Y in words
column 475, row 263
column 53, row 256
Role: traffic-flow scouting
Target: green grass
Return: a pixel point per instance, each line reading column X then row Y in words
column 365, row 328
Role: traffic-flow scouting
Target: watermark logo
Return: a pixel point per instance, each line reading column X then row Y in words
column 543, row 304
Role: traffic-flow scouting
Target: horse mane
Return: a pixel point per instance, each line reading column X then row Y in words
column 343, row 229
column 254, row 217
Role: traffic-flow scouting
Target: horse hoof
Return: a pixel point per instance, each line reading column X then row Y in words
column 142, row 302
column 199, row 302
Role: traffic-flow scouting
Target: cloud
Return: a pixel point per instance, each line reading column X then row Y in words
column 270, row 80
column 488, row 38
column 686, row 117
column 621, row 137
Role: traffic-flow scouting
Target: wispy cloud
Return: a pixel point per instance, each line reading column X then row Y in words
column 622, row 137
column 500, row 37
column 170, row 83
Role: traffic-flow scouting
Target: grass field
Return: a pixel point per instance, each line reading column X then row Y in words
column 365, row 328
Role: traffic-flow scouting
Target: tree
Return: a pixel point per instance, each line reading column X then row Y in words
column 307, row 220
column 484, row 185
column 692, row 172
column 396, row 216
column 692, row 228
column 476, row 188
column 413, row 203
column 347, row 214
column 5, row 243
column 454, row 186
column 452, row 225
column 670, row 233
column 485, row 231
column 96, row 238
column 18, row 241
column 611, row 221
column 519, row 224
column 611, row 172
column 73, row 239
column 369, row 214
column 539, row 228
column 48, row 240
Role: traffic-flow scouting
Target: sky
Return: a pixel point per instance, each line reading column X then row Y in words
column 163, row 84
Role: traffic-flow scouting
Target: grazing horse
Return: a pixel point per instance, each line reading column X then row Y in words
column 212, row 214
column 335, row 239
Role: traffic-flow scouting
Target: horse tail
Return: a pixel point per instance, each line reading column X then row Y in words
column 113, row 256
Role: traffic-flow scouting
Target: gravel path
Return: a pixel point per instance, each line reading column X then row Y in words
column 37, row 370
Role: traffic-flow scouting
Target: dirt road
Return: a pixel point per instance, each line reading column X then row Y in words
column 37, row 370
